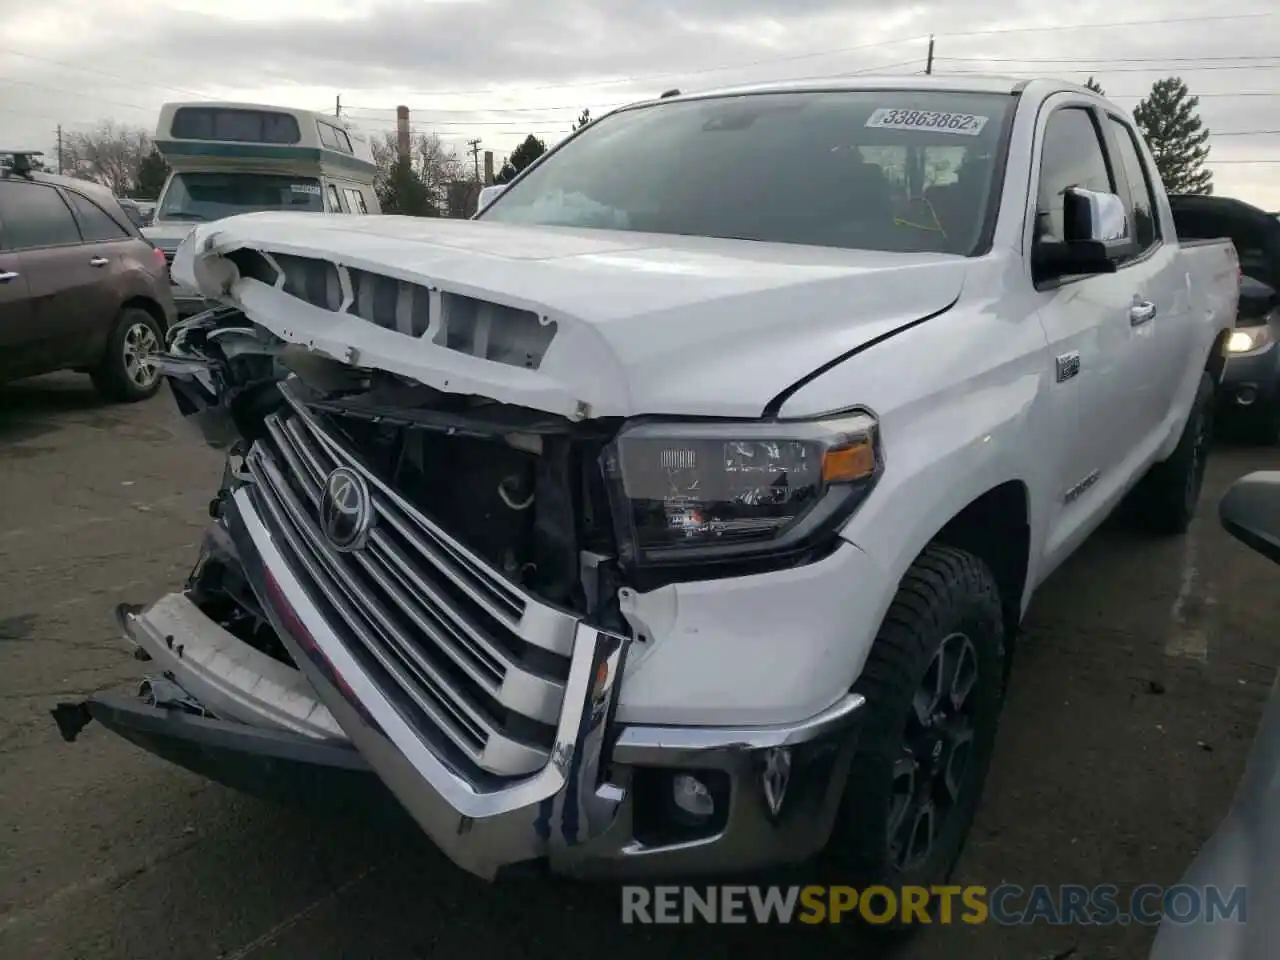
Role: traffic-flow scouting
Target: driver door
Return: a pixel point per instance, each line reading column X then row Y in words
column 1098, row 356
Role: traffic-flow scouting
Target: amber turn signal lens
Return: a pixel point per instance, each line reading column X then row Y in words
column 853, row 462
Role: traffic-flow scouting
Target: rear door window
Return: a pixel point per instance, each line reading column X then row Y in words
column 1141, row 200
column 96, row 225
column 35, row 215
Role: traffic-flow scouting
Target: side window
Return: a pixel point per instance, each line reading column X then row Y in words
column 355, row 201
column 334, row 138
column 35, row 216
column 1072, row 156
column 1142, row 203
column 96, row 225
column 335, row 201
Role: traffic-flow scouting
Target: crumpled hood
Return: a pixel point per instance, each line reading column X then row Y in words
column 637, row 323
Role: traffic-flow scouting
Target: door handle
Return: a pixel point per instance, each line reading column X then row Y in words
column 99, row 262
column 1141, row 312
column 7, row 276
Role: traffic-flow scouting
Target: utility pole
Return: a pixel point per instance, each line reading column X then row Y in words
column 337, row 105
column 475, row 155
column 59, row 149
column 929, row 65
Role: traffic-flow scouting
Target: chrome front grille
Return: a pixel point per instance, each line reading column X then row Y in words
column 474, row 663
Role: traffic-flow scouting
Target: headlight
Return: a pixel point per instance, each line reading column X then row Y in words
column 1249, row 339
column 705, row 491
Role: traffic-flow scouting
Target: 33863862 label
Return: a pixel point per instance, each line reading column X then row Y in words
column 927, row 121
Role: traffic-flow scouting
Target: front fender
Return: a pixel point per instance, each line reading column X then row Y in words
column 962, row 410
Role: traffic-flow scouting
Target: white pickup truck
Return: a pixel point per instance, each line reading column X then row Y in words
column 677, row 514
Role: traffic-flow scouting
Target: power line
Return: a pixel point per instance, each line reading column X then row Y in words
column 1105, row 60
column 620, row 103
column 1149, row 69
column 999, row 31
column 917, row 38
column 102, row 73
column 487, row 123
column 77, row 93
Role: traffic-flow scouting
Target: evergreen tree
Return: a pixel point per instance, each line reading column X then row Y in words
column 528, row 151
column 583, row 120
column 405, row 193
column 1169, row 119
column 1095, row 86
column 152, row 173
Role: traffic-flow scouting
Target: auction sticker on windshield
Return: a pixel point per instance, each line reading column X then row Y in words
column 311, row 188
column 929, row 121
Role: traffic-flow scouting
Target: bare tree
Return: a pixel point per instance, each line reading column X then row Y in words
column 110, row 154
column 434, row 163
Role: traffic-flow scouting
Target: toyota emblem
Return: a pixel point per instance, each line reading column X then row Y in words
column 346, row 510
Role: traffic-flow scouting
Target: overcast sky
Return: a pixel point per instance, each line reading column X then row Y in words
column 500, row 69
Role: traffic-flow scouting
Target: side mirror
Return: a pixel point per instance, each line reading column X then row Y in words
column 489, row 194
column 1092, row 217
column 1096, row 235
column 1250, row 512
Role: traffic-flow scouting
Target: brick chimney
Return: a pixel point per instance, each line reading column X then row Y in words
column 402, row 131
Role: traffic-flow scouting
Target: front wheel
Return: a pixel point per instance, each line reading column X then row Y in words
column 124, row 375
column 934, row 683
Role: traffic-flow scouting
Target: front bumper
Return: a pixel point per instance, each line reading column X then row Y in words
column 602, row 805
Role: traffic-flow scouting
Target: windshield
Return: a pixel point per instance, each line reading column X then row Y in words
column 874, row 170
column 199, row 197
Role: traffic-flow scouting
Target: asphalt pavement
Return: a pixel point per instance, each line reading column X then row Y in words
column 1135, row 693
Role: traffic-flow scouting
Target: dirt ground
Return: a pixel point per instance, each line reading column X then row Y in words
column 1136, row 692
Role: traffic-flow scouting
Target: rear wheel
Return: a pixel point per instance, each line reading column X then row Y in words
column 123, row 375
column 934, row 683
column 1166, row 499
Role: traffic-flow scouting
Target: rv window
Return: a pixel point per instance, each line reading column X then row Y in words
column 333, row 138
column 355, row 200
column 240, row 126
column 335, row 201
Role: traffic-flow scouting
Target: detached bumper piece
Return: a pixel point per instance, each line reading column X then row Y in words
column 280, row 767
column 221, row 709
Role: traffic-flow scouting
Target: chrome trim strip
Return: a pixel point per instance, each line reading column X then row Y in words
column 471, row 731
column 532, row 620
column 591, row 648
column 450, row 629
column 667, row 746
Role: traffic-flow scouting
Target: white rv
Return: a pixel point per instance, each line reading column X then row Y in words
column 232, row 158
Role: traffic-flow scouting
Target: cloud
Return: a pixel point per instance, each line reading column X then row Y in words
column 498, row 69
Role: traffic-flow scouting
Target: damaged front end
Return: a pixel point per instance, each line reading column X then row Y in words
column 455, row 645
column 423, row 585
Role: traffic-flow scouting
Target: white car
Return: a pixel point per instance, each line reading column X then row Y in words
column 678, row 513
